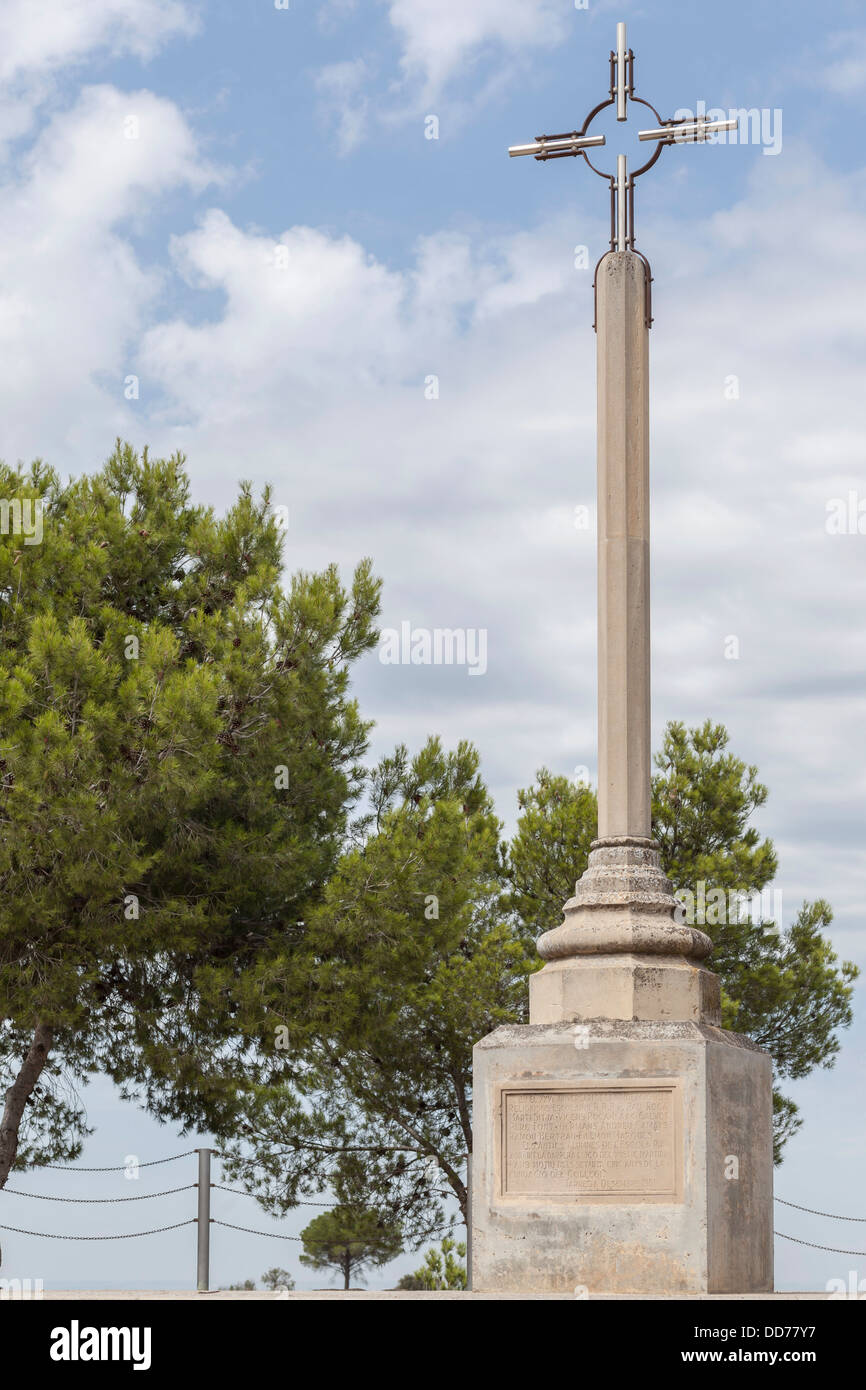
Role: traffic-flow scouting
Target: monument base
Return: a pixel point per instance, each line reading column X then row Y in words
column 617, row 1156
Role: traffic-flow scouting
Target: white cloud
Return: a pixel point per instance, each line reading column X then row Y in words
column 342, row 100
column 302, row 313
column 439, row 41
column 73, row 294
column 844, row 71
column 42, row 39
column 440, row 37
column 49, row 34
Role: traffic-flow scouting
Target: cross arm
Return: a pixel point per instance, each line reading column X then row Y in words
column 675, row 132
column 558, row 146
column 622, row 183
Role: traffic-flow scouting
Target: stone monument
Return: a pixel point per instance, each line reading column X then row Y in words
column 622, row 1139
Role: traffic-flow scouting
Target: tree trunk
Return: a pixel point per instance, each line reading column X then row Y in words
column 347, row 1269
column 19, row 1093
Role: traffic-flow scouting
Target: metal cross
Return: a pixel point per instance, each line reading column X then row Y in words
column 577, row 142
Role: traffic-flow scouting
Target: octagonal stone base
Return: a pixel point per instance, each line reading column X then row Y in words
column 627, row 987
column 622, row 1157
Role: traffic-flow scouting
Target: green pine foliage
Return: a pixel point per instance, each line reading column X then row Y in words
column 352, row 1237
column 786, row 988
column 441, row 1269
column 187, row 904
column 350, row 1241
column 178, row 760
column 423, row 941
column 410, row 959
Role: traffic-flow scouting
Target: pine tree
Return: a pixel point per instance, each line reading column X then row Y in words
column 785, row 988
column 178, row 760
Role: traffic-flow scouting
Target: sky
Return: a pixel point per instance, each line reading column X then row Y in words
column 225, row 229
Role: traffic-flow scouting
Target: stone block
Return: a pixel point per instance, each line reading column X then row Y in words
column 622, row 1157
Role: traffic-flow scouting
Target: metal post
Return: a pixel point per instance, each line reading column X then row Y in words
column 203, row 1261
column 621, row 83
column 621, row 203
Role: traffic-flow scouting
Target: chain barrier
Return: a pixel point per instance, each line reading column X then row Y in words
column 813, row 1212
column 99, row 1201
column 274, row 1235
column 239, row 1192
column 831, row 1216
column 120, row 1167
column 139, row 1197
column 126, row 1235
column 834, row 1249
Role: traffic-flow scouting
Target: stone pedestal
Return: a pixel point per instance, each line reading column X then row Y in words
column 622, row 1157
column 622, row 1140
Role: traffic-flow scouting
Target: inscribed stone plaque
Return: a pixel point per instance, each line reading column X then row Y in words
column 601, row 1143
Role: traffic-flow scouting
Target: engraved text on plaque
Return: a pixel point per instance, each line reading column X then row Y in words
column 595, row 1142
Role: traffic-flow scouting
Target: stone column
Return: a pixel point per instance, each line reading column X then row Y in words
column 620, row 953
column 624, row 755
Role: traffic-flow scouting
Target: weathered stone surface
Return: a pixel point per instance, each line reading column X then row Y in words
column 648, row 988
column 619, row 952
column 669, row 1217
column 624, row 752
column 623, row 902
column 591, row 1140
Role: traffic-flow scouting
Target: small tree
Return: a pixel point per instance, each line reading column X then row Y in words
column 277, row 1278
column 349, row 1239
column 440, row 1269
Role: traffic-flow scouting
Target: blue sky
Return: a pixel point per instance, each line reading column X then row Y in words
column 261, row 128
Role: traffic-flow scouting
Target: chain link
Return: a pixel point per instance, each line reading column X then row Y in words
column 90, row 1201
column 813, row 1212
column 120, row 1168
column 275, row 1235
column 834, row 1249
column 126, row 1235
column 239, row 1192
